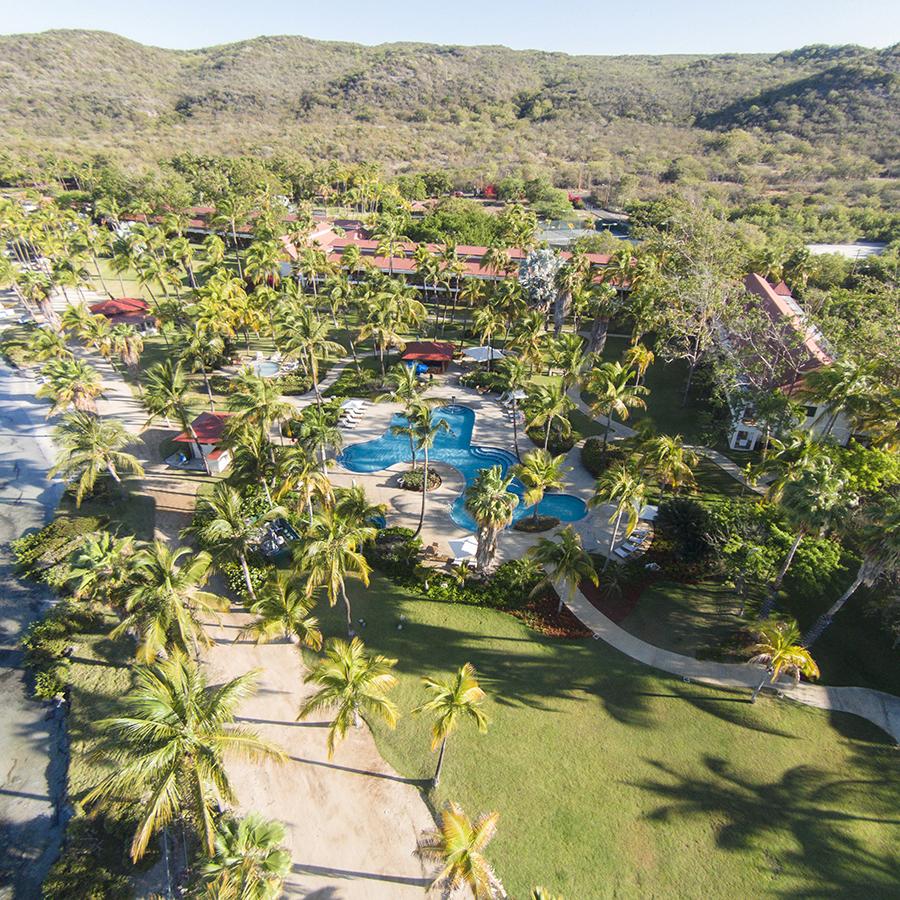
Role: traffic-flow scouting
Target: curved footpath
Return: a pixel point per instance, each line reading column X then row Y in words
column 32, row 737
column 878, row 707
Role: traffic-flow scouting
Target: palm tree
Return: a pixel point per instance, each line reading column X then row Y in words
column 815, row 500
column 452, row 700
column 546, row 404
column 164, row 599
column 425, row 430
column 350, row 681
column 330, row 554
column 296, row 474
column 353, row 505
column 197, row 347
column 778, row 648
column 223, row 525
column 567, row 354
column 318, row 433
column 70, row 382
column 232, row 212
column 249, row 861
column 539, row 471
column 283, row 611
column 517, row 373
column 458, row 846
column 565, row 561
column 626, row 493
column 40, row 345
column 875, row 534
column 99, row 568
column 639, row 358
column 169, row 745
column 842, row 386
column 610, row 383
column 88, row 447
column 670, row 461
column 487, row 323
column 491, row 504
column 388, row 232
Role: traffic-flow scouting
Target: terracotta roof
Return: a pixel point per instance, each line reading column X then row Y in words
column 782, row 289
column 428, row 351
column 120, row 306
column 208, row 427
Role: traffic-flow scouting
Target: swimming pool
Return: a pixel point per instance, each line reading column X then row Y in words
column 455, row 448
column 266, row 369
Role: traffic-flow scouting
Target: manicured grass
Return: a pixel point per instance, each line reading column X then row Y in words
column 612, row 779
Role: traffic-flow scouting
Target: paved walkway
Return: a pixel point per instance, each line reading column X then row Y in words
column 879, row 708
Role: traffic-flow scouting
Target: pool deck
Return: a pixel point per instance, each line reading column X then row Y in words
column 492, row 428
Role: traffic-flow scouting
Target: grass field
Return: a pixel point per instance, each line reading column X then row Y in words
column 612, row 779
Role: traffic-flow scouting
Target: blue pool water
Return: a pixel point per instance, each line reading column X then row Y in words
column 455, row 448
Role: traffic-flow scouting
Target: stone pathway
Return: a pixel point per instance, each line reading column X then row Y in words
column 878, row 707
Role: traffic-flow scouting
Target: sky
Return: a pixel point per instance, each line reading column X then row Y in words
column 572, row 26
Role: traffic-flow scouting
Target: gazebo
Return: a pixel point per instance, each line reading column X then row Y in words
column 431, row 353
column 209, row 428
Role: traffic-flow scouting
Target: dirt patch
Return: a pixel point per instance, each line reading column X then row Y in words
column 530, row 525
column 543, row 615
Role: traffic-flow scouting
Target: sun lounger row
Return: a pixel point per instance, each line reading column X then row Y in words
column 637, row 543
column 351, row 412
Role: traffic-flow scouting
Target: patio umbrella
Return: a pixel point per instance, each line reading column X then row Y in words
column 464, row 549
column 483, row 354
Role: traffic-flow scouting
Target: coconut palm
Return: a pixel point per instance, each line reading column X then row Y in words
column 89, row 447
column 70, row 382
column 318, row 433
column 567, row 354
column 565, row 561
column 231, row 213
column 842, row 386
column 352, row 504
column 330, row 554
column 99, row 568
column 517, row 373
column 164, row 599
column 546, row 404
column 487, row 324
column 458, row 847
column 350, row 681
column 778, row 648
column 198, row 347
column 169, row 744
column 282, row 610
column 539, row 471
column 626, row 493
column 670, row 461
column 128, row 344
column 453, row 699
column 223, row 525
column 639, row 358
column 249, row 861
column 425, row 430
column 257, row 401
column 40, row 345
column 875, row 533
column 614, row 393
column 296, row 474
column 491, row 504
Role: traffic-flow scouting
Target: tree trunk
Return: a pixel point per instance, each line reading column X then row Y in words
column 759, row 687
column 424, row 492
column 612, row 541
column 824, row 621
column 246, row 570
column 547, row 435
column 769, row 604
column 112, row 471
column 437, row 772
column 346, row 599
column 599, row 330
column 515, row 410
column 237, row 252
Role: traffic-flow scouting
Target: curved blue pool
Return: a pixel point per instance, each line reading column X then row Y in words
column 455, row 448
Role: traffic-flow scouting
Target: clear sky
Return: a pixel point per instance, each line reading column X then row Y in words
column 574, row 26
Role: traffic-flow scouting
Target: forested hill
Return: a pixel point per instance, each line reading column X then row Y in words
column 414, row 103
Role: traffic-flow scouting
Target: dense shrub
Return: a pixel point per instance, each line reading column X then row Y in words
column 353, row 382
column 508, row 587
column 395, row 552
column 592, row 456
column 294, row 383
column 558, row 443
column 482, row 378
column 234, row 575
column 38, row 552
column 412, row 481
column 684, row 527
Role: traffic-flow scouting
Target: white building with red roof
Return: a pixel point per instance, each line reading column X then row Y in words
column 203, row 442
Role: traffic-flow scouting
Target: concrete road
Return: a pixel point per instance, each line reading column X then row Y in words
column 32, row 761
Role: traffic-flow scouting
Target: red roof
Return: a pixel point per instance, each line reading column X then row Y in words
column 120, row 306
column 208, row 427
column 782, row 289
column 428, row 351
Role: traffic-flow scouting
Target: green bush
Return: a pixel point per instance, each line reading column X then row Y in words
column 38, row 552
column 353, row 383
column 234, row 575
column 558, row 443
column 395, row 552
column 412, row 481
column 684, row 526
column 294, row 383
column 508, row 587
column 482, row 378
column 592, row 456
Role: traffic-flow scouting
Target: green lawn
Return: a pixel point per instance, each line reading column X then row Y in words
column 612, row 779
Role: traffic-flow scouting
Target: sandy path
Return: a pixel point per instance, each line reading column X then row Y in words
column 351, row 821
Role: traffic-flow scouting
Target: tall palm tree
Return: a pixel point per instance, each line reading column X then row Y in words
column 330, row 554
column 318, row 433
column 875, row 533
column 88, row 447
column 639, row 358
column 565, row 561
column 540, row 472
column 453, row 699
column 70, row 382
column 491, row 504
column 425, row 430
column 812, row 503
column 614, row 393
column 282, row 610
column 626, row 493
column 40, row 345
column 257, row 401
column 296, row 474
column 197, row 347
column 351, row 681
column 352, row 504
column 517, row 373
column 164, row 599
column 567, row 354
column 670, row 461
column 842, row 386
column 546, row 404
column 249, row 862
column 778, row 648
column 169, row 746
column 458, row 846
column 223, row 525
column 231, row 213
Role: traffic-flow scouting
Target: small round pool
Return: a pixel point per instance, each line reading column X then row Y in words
column 266, row 369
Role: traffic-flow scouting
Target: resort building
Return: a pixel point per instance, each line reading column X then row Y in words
column 433, row 354
column 126, row 311
column 808, row 354
column 205, row 444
